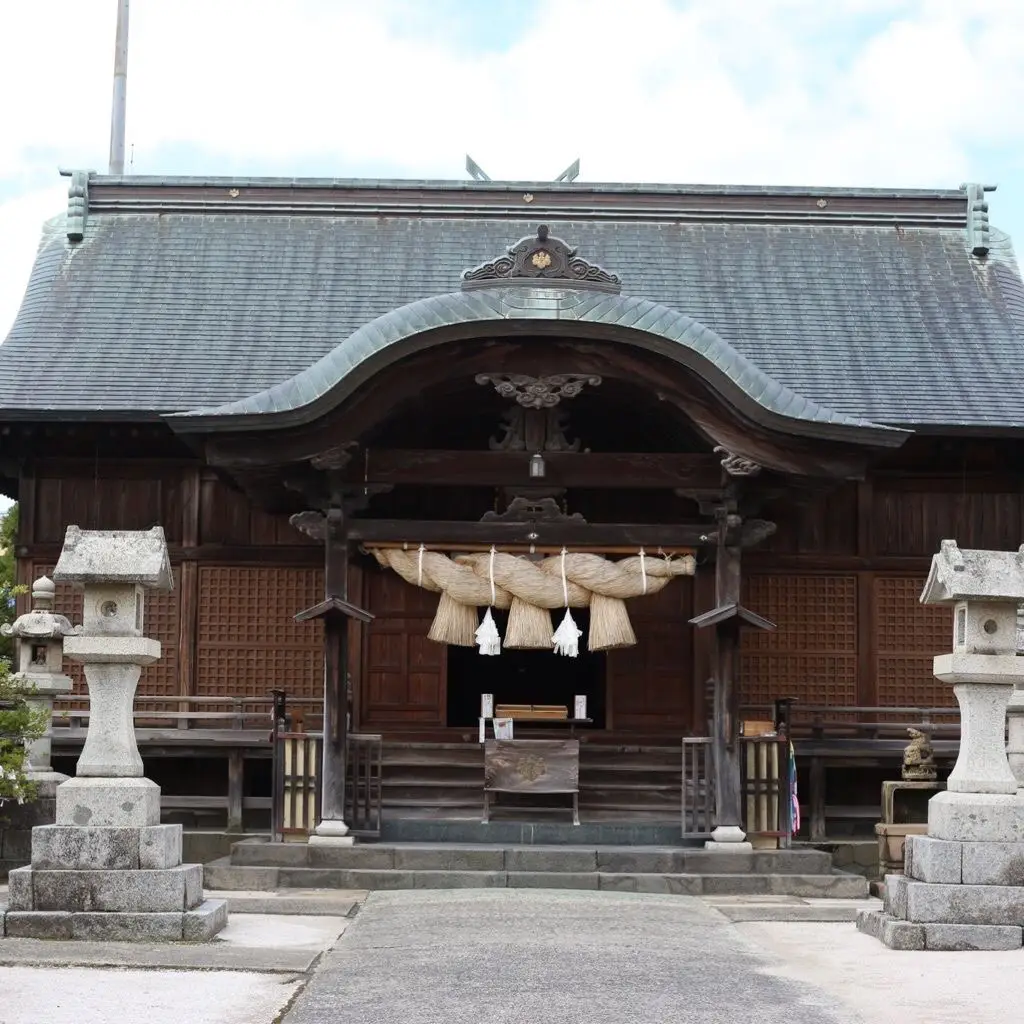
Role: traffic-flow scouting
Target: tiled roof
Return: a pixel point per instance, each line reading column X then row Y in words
column 198, row 306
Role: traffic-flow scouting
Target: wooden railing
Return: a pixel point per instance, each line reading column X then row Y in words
column 215, row 714
column 238, row 726
column 852, row 737
column 835, row 722
column 296, row 799
column 764, row 788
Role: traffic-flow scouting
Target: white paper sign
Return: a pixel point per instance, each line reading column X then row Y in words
column 503, row 728
column 483, row 729
column 581, row 706
column 486, row 705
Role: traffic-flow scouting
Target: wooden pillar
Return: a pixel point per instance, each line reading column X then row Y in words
column 726, row 654
column 332, row 825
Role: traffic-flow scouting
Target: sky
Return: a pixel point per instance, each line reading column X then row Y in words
column 918, row 93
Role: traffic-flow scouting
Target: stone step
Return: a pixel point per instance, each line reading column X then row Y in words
column 234, row 878
column 494, row 857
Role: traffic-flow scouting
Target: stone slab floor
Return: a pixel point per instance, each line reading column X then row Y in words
column 545, row 957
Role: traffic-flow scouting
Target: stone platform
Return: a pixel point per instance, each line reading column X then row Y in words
column 103, row 882
column 953, row 896
column 259, row 865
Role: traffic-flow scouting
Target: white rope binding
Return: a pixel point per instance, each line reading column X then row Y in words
column 488, row 638
column 643, row 570
column 566, row 638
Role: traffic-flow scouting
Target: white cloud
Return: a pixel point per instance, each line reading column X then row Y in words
column 868, row 92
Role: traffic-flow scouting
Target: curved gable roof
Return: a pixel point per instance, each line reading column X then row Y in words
column 642, row 322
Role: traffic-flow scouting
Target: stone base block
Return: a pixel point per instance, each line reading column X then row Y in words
column 127, row 927
column 203, row 923
column 19, row 889
column 315, row 840
column 894, row 902
column 948, row 862
column 993, row 864
column 977, row 817
column 933, row 860
column 972, row 936
column 964, row 904
column 892, row 933
column 86, row 848
column 111, row 803
column 38, row 924
column 907, row 935
column 199, row 925
column 175, row 889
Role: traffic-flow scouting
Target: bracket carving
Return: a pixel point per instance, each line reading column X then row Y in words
column 532, row 510
column 538, row 392
column 736, row 465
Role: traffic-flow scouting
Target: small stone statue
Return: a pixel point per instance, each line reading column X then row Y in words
column 919, row 759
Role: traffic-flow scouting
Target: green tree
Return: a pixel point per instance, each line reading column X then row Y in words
column 21, row 721
column 8, row 575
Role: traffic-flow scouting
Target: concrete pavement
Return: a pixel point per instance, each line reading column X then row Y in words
column 552, row 956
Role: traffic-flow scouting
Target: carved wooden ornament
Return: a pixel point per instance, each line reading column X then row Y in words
column 542, row 259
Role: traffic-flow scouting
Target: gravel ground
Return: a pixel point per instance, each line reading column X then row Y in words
column 84, row 995
column 893, row 987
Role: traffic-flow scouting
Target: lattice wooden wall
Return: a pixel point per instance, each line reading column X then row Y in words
column 813, row 654
column 248, row 640
column 161, row 623
column 908, row 635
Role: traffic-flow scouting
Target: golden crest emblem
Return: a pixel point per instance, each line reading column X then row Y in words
column 541, row 259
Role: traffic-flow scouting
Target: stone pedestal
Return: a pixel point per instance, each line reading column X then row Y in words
column 729, row 839
column 905, row 802
column 331, row 832
column 108, row 869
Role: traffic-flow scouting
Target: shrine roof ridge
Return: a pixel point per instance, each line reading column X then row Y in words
column 96, row 193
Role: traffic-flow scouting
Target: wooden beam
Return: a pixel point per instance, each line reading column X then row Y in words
column 563, row 469
column 410, row 531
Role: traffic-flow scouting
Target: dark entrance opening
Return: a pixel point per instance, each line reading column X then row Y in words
column 526, row 677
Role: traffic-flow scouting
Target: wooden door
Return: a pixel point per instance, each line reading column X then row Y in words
column 650, row 686
column 404, row 674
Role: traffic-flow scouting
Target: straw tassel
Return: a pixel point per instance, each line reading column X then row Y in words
column 488, row 638
column 566, row 638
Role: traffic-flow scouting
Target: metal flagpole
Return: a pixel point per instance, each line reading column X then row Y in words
column 120, row 97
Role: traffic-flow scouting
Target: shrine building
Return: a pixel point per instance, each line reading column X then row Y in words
column 370, row 415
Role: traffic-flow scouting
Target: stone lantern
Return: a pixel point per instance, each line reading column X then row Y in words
column 964, row 885
column 108, row 869
column 38, row 651
column 39, row 658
